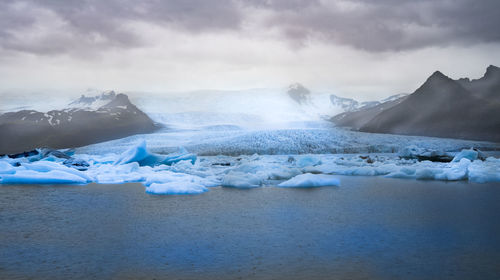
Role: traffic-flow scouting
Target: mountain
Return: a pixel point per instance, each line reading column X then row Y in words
column 347, row 104
column 299, row 93
column 444, row 107
column 487, row 87
column 324, row 104
column 357, row 118
column 93, row 102
column 88, row 120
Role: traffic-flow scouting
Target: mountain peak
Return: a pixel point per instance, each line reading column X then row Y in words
column 492, row 70
column 299, row 93
column 437, row 79
column 438, row 75
column 94, row 102
column 297, row 86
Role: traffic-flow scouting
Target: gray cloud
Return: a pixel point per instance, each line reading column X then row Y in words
column 88, row 25
column 52, row 26
column 386, row 25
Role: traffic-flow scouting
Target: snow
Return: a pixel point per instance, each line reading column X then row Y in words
column 310, row 180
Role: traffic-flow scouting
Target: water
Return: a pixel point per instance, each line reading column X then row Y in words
column 368, row 228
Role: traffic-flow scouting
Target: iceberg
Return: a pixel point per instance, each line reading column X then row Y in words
column 44, row 178
column 484, row 171
column 6, row 168
column 237, row 179
column 309, row 180
column 308, row 161
column 47, row 166
column 139, row 153
column 176, row 188
column 186, row 173
column 468, row 154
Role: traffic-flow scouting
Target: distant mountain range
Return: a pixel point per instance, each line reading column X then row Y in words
column 87, row 120
column 441, row 107
column 304, row 96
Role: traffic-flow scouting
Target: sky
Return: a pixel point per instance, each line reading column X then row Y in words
column 354, row 48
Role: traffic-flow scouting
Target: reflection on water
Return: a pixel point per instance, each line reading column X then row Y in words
column 369, row 228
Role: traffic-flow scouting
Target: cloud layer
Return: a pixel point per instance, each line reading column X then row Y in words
column 49, row 27
column 359, row 48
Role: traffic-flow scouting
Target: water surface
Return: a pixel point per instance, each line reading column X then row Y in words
column 368, row 228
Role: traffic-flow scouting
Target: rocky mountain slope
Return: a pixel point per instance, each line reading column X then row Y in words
column 441, row 107
column 87, row 120
column 357, row 118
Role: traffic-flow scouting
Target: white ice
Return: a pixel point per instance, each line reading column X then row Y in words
column 310, row 180
column 34, row 177
column 184, row 173
column 176, row 188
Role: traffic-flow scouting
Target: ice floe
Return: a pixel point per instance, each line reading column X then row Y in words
column 35, row 177
column 185, row 173
column 176, row 188
column 310, row 180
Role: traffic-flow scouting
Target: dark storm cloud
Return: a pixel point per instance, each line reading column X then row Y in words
column 93, row 24
column 393, row 24
column 54, row 26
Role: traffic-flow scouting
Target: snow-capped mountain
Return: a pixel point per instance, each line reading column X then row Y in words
column 327, row 105
column 357, row 118
column 347, row 104
column 86, row 120
column 93, row 102
column 441, row 107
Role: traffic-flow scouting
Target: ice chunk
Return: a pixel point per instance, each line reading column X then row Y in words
column 414, row 152
column 311, row 180
column 6, row 168
column 140, row 154
column 78, row 164
column 243, row 180
column 168, row 177
column 47, row 166
column 308, row 161
column 456, row 171
column 282, row 173
column 485, row 171
column 468, row 154
column 34, row 177
column 176, row 188
column 136, row 153
column 182, row 155
column 410, row 152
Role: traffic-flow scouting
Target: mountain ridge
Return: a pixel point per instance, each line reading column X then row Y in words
column 440, row 107
column 73, row 126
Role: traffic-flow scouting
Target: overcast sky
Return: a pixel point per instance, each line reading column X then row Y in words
column 357, row 48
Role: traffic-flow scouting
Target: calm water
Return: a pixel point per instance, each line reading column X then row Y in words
column 369, row 228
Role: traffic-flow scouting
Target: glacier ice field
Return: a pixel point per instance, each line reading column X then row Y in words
column 192, row 160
